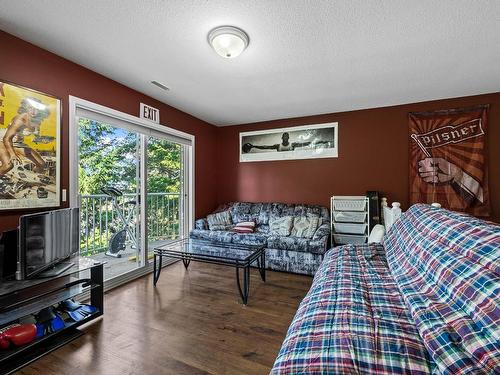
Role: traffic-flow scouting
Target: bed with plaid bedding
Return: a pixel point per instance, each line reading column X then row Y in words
column 447, row 267
column 353, row 321
column 427, row 302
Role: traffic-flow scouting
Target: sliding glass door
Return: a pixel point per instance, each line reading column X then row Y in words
column 109, row 190
column 132, row 190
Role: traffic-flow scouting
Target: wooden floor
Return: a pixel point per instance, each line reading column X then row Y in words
column 193, row 322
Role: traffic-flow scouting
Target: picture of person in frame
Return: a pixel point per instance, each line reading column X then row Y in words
column 30, row 115
column 285, row 145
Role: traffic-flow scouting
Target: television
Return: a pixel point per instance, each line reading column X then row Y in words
column 45, row 240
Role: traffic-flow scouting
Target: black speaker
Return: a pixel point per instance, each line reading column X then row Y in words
column 8, row 254
column 373, row 208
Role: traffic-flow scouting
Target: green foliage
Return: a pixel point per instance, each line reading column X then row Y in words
column 109, row 157
column 164, row 166
column 94, row 244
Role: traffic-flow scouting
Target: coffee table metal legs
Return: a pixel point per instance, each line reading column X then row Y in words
column 243, row 290
column 261, row 265
column 246, row 283
column 156, row 268
column 157, row 264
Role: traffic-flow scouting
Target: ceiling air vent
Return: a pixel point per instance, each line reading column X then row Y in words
column 160, row 85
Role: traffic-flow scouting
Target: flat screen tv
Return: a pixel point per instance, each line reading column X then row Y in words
column 46, row 239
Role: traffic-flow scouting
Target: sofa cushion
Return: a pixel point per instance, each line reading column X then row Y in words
column 281, row 209
column 307, row 209
column 245, row 211
column 446, row 266
column 280, row 226
column 249, row 239
column 219, row 221
column 288, row 243
column 305, row 226
column 297, row 244
column 211, row 235
column 262, row 229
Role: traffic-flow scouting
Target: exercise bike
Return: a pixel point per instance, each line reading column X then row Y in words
column 117, row 242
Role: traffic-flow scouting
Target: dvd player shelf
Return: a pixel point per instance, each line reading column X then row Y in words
column 34, row 305
column 22, row 298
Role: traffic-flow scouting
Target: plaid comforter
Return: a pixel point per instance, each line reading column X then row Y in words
column 430, row 307
column 353, row 321
column 449, row 276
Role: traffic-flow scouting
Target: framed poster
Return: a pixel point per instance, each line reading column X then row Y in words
column 299, row 142
column 30, row 123
column 448, row 159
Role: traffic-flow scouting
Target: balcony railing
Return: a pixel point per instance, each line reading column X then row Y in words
column 99, row 220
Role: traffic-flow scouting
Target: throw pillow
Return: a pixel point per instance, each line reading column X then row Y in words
column 219, row 221
column 244, row 227
column 305, row 226
column 280, row 226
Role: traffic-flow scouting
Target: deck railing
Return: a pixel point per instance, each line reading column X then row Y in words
column 99, row 220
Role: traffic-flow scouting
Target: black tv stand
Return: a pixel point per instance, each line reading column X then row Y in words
column 56, row 270
column 26, row 297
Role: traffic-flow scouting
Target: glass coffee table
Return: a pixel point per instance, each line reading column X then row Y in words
column 226, row 254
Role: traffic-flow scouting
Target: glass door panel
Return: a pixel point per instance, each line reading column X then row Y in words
column 165, row 191
column 109, row 193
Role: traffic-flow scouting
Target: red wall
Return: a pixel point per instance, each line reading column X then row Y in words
column 33, row 67
column 373, row 144
column 373, row 155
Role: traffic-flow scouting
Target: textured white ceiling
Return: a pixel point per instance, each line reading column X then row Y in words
column 305, row 57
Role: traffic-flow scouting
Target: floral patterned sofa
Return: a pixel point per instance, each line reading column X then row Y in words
column 283, row 253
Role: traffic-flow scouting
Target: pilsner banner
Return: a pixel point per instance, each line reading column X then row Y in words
column 448, row 163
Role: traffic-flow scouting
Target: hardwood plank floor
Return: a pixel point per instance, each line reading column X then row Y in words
column 193, row 322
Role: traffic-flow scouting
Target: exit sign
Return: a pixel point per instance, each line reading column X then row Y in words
column 150, row 113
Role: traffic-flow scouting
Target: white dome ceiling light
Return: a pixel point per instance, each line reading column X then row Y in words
column 228, row 41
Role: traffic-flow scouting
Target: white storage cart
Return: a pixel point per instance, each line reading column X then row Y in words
column 350, row 219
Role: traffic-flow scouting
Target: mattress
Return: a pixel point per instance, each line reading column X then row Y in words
column 353, row 321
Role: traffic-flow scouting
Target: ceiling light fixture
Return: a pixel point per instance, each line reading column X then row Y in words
column 228, row 41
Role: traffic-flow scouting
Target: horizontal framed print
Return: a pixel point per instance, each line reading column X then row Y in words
column 299, row 142
column 30, row 123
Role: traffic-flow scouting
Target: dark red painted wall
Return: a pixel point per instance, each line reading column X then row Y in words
column 33, row 67
column 373, row 155
column 373, row 144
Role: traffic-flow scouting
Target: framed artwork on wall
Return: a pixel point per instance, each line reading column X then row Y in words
column 448, row 159
column 298, row 142
column 30, row 126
